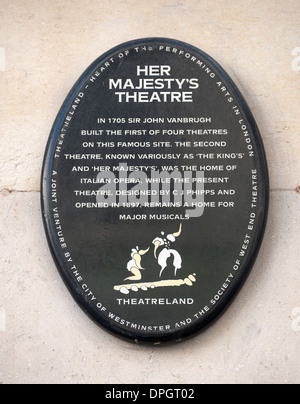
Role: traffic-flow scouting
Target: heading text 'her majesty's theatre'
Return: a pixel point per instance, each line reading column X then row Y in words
column 171, row 89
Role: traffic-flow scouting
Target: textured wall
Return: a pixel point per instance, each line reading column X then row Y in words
column 44, row 47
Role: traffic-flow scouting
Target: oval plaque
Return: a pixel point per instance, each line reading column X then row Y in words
column 154, row 190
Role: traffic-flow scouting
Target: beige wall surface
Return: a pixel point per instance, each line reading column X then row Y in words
column 44, row 47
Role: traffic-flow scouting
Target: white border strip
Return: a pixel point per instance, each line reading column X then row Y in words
column 2, row 319
column 2, row 60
